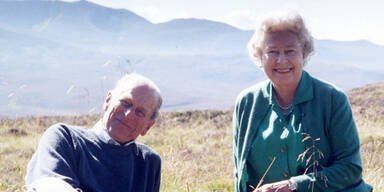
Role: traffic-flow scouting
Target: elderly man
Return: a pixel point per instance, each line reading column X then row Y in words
column 107, row 157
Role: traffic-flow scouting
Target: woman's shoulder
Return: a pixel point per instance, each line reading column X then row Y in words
column 254, row 90
column 324, row 88
column 325, row 85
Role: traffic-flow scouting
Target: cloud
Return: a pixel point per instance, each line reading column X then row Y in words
column 156, row 15
column 242, row 18
column 248, row 18
column 67, row 0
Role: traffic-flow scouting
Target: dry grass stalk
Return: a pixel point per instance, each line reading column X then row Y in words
column 311, row 156
column 265, row 173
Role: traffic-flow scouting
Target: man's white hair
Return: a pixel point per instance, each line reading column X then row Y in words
column 128, row 81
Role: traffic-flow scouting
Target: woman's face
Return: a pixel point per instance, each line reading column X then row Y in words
column 282, row 58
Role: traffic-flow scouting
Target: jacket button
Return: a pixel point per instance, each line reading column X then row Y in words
column 286, row 175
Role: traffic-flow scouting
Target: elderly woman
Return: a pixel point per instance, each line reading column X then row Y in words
column 293, row 132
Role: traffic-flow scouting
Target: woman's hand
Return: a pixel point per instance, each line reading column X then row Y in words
column 280, row 186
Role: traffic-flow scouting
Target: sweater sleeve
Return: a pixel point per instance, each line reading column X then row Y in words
column 54, row 157
column 152, row 166
column 157, row 175
column 344, row 173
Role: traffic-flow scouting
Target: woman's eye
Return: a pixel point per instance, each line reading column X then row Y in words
column 290, row 52
column 272, row 52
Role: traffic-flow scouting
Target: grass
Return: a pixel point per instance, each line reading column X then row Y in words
column 196, row 150
column 368, row 110
column 195, row 146
column 18, row 141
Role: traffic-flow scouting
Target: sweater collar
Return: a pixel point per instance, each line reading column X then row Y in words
column 101, row 131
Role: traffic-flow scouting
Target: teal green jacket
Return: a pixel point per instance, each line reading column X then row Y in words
column 326, row 114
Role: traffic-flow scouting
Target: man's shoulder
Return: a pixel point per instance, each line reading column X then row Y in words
column 147, row 152
column 65, row 128
column 66, row 131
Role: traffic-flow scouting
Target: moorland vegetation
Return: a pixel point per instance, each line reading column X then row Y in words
column 195, row 146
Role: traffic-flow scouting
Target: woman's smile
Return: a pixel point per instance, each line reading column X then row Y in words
column 282, row 59
column 283, row 71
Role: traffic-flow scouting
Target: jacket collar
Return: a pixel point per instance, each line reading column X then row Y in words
column 303, row 93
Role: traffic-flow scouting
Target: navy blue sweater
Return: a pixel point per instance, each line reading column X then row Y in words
column 89, row 160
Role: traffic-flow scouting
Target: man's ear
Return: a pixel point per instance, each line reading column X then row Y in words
column 144, row 131
column 107, row 101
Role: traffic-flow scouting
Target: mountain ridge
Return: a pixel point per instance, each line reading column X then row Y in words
column 199, row 64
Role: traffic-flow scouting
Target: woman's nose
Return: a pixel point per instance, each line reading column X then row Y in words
column 281, row 58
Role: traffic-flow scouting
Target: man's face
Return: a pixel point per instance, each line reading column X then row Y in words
column 127, row 113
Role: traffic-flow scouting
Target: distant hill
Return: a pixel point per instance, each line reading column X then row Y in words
column 61, row 58
column 368, row 99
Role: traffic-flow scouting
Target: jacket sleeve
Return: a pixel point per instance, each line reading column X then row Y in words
column 54, row 157
column 235, row 124
column 344, row 172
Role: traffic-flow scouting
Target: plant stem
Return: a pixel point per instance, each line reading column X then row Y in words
column 265, row 173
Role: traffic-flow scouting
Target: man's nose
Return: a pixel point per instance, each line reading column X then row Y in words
column 129, row 112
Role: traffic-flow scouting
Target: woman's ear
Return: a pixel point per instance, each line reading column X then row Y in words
column 260, row 60
column 107, row 101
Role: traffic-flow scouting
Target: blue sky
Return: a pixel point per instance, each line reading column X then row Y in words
column 342, row 20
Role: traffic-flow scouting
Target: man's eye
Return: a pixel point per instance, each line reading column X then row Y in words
column 126, row 103
column 140, row 113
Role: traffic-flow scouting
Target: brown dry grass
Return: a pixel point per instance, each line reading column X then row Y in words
column 18, row 141
column 368, row 110
column 195, row 146
column 196, row 149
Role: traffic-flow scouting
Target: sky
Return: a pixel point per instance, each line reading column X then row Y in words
column 343, row 20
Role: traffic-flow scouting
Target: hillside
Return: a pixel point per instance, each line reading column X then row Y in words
column 368, row 107
column 369, row 98
column 50, row 47
column 195, row 146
